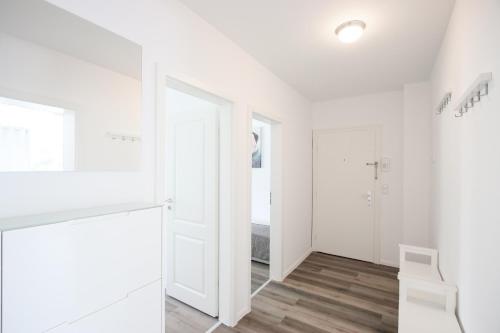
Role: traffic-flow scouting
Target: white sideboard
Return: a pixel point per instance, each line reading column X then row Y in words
column 88, row 271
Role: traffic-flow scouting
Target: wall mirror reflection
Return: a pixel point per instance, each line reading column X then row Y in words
column 70, row 92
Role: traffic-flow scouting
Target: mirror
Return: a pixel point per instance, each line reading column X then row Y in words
column 70, row 92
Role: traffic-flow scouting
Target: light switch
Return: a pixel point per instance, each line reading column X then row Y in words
column 386, row 164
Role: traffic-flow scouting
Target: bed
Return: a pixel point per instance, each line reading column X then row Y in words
column 260, row 243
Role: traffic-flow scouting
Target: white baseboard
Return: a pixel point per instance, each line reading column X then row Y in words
column 213, row 328
column 241, row 314
column 247, row 310
column 296, row 264
column 389, row 263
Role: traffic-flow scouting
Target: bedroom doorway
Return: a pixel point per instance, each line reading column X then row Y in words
column 261, row 139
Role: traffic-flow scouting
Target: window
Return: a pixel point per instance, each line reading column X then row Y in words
column 35, row 137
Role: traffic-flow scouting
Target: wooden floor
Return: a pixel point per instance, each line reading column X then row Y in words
column 181, row 318
column 326, row 294
column 260, row 275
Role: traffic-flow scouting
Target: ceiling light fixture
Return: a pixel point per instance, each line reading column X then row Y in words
column 350, row 31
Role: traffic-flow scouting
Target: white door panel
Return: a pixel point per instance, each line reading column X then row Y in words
column 189, row 252
column 189, row 169
column 192, row 186
column 344, row 186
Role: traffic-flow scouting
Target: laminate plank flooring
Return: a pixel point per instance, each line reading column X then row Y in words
column 326, row 294
column 260, row 275
column 181, row 318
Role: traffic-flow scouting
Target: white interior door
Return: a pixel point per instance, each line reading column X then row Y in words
column 192, row 204
column 344, row 192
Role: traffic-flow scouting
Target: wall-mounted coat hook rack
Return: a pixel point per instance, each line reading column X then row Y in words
column 444, row 103
column 124, row 137
column 473, row 95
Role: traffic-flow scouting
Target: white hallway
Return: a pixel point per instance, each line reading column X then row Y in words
column 281, row 60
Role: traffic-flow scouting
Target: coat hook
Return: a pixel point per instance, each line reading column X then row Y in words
column 477, row 98
column 460, row 112
column 469, row 104
column 485, row 92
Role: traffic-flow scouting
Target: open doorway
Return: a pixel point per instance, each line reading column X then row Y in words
column 196, row 189
column 261, row 139
column 234, row 217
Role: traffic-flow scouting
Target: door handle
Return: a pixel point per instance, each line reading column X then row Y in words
column 375, row 165
column 169, row 203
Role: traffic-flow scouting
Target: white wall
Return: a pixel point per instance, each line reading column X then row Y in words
column 385, row 109
column 417, row 131
column 187, row 46
column 261, row 177
column 84, row 88
column 466, row 164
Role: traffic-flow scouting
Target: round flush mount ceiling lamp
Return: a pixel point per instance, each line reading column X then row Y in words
column 350, row 31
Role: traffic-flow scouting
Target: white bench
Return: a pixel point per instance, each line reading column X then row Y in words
column 426, row 268
column 426, row 303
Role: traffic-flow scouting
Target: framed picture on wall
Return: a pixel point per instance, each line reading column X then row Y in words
column 257, row 148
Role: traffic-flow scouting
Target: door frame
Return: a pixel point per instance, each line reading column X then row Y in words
column 234, row 226
column 377, row 195
column 276, row 266
column 276, row 262
column 226, row 245
column 276, row 219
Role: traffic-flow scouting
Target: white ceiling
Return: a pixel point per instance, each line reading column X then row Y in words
column 45, row 24
column 295, row 39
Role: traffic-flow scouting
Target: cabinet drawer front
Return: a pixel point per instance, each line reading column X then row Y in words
column 139, row 312
column 58, row 273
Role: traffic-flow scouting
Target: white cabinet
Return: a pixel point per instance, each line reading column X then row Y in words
column 87, row 274
column 136, row 313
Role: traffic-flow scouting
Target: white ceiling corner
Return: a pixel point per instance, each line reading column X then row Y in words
column 295, row 39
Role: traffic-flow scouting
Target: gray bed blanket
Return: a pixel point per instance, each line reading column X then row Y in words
column 260, row 243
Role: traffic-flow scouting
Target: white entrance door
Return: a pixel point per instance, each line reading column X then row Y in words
column 192, row 204
column 344, row 192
